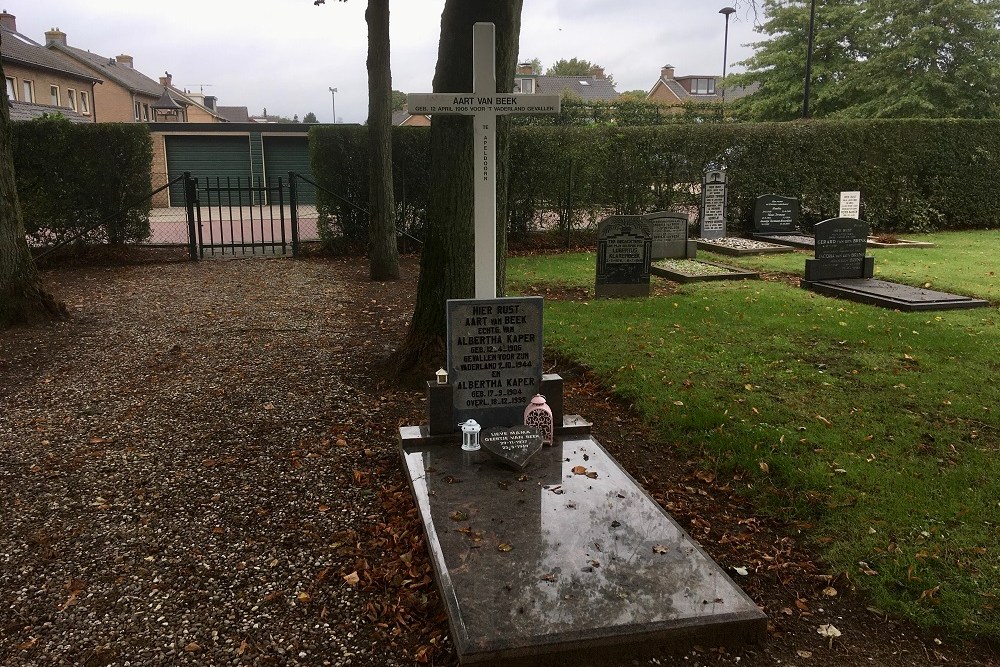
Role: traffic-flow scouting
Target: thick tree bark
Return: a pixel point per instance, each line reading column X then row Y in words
column 384, row 252
column 446, row 260
column 22, row 299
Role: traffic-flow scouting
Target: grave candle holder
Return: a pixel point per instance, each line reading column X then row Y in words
column 442, row 376
column 539, row 414
column 470, row 435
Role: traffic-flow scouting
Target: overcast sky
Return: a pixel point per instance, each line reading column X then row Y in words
column 285, row 55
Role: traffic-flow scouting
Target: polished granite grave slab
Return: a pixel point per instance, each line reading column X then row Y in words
column 892, row 295
column 794, row 240
column 569, row 562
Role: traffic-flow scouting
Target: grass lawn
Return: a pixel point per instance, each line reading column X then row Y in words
column 879, row 429
column 960, row 262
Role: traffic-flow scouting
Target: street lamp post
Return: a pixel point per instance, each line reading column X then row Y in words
column 333, row 99
column 809, row 58
column 728, row 11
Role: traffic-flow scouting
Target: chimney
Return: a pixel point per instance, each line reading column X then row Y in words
column 55, row 36
column 524, row 68
column 597, row 72
column 210, row 102
column 667, row 71
column 8, row 21
column 124, row 60
column 165, row 80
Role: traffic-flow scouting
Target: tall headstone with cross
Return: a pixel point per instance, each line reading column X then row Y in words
column 484, row 104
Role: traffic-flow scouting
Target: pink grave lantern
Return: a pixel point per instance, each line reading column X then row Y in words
column 539, row 414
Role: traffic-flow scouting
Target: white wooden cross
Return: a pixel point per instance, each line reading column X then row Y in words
column 484, row 104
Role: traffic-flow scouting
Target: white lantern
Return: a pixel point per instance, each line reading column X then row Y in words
column 442, row 376
column 470, row 435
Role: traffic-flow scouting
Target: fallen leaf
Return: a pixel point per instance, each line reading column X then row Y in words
column 303, row 597
column 459, row 515
column 660, row 548
column 764, row 467
column 830, row 592
column 866, row 569
column 324, row 508
column 352, row 579
column 193, row 647
column 742, row 571
column 579, row 470
column 503, row 546
column 826, row 422
column 30, row 644
column 804, row 654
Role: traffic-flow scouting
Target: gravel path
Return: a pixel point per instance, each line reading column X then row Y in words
column 177, row 476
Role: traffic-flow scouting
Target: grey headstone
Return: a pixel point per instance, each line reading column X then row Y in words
column 494, row 358
column 670, row 235
column 714, row 204
column 774, row 214
column 513, row 447
column 624, row 245
column 840, row 250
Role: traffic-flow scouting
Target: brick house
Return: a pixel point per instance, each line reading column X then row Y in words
column 129, row 96
column 40, row 81
column 595, row 87
column 674, row 90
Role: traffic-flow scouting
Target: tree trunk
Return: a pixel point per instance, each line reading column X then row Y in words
column 384, row 252
column 446, row 260
column 22, row 299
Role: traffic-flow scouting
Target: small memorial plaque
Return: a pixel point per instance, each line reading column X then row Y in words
column 776, row 215
column 850, row 204
column 624, row 245
column 670, row 235
column 840, row 250
column 714, row 192
column 494, row 358
column 512, row 446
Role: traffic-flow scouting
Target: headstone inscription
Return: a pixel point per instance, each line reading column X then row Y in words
column 850, row 204
column 670, row 236
column 513, row 447
column 624, row 245
column 484, row 103
column 773, row 214
column 840, row 251
column 494, row 358
column 714, row 206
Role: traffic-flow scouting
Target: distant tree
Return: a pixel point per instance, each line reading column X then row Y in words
column 22, row 297
column 876, row 58
column 310, row 118
column 634, row 94
column 575, row 67
column 398, row 101
column 295, row 118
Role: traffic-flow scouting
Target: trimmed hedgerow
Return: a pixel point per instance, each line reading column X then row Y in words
column 914, row 175
column 73, row 176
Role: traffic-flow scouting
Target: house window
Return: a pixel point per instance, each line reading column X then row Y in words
column 29, row 91
column 54, row 95
column 11, row 89
column 71, row 98
column 703, row 86
column 138, row 111
column 145, row 112
column 526, row 86
column 84, row 103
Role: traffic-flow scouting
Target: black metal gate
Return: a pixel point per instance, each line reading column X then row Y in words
column 236, row 216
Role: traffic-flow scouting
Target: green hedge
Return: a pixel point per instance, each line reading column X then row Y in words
column 914, row 175
column 72, row 176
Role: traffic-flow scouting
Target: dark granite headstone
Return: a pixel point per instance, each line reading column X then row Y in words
column 494, row 358
column 773, row 214
column 714, row 204
column 624, row 245
column 840, row 251
column 513, row 447
column 670, row 236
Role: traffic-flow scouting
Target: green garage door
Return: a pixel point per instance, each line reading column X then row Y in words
column 285, row 154
column 208, row 158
